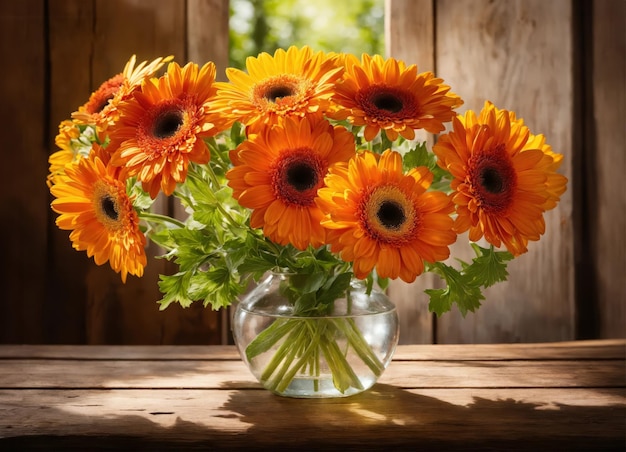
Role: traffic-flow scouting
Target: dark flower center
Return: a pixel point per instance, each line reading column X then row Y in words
column 103, row 104
column 301, row 176
column 108, row 207
column 387, row 102
column 391, row 215
column 105, row 92
column 296, row 176
column 277, row 92
column 167, row 124
column 491, row 180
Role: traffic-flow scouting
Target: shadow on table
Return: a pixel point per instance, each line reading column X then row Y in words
column 391, row 417
column 388, row 417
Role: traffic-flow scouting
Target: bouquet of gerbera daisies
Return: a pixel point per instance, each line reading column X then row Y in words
column 306, row 162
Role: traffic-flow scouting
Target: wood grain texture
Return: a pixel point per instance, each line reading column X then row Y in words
column 409, row 36
column 207, row 33
column 382, row 419
column 70, row 37
column 23, row 170
column 607, row 201
column 519, row 55
column 117, row 312
column 550, row 398
column 128, row 313
column 234, row 375
column 614, row 349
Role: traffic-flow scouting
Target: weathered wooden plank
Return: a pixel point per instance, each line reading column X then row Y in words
column 117, row 312
column 70, row 37
column 571, row 350
column 128, row 313
column 207, row 33
column 233, row 374
column 23, row 217
column 607, row 130
column 147, row 28
column 574, row 350
column 120, row 352
column 409, row 36
column 383, row 418
column 518, row 54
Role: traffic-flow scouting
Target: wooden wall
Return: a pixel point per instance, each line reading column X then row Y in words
column 56, row 53
column 558, row 64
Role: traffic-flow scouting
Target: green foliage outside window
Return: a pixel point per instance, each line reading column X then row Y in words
column 356, row 26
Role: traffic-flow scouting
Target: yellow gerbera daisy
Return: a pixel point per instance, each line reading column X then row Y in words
column 68, row 133
column 93, row 204
column 278, row 173
column 101, row 108
column 161, row 129
column 504, row 177
column 388, row 95
column 377, row 216
column 295, row 82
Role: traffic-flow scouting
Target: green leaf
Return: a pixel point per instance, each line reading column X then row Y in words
column 418, row 156
column 163, row 238
column 141, row 199
column 488, row 267
column 307, row 283
column 335, row 287
column 216, row 287
column 175, row 289
column 460, row 289
column 421, row 156
column 306, row 304
column 193, row 247
column 383, row 283
column 237, row 135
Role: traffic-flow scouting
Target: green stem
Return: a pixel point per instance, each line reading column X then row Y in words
column 152, row 217
column 284, row 376
column 343, row 375
column 360, row 346
column 290, row 345
column 305, row 342
column 270, row 336
column 215, row 183
column 308, row 352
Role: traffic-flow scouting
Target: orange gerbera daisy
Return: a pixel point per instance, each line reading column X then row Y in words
column 278, row 173
column 101, row 108
column 93, row 204
column 504, row 177
column 377, row 216
column 162, row 128
column 295, row 82
column 388, row 95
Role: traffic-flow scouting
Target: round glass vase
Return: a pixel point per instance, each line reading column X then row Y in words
column 340, row 353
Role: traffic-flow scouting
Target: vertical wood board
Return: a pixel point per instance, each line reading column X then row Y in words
column 207, row 33
column 23, row 170
column 409, row 36
column 605, row 180
column 70, row 45
column 91, row 42
column 519, row 55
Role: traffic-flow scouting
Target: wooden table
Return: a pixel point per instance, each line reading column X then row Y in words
column 555, row 396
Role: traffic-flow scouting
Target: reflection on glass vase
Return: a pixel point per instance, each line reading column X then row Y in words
column 338, row 349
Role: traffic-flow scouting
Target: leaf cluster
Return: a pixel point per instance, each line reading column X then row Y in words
column 218, row 254
column 465, row 286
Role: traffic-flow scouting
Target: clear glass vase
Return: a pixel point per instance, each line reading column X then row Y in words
column 336, row 354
